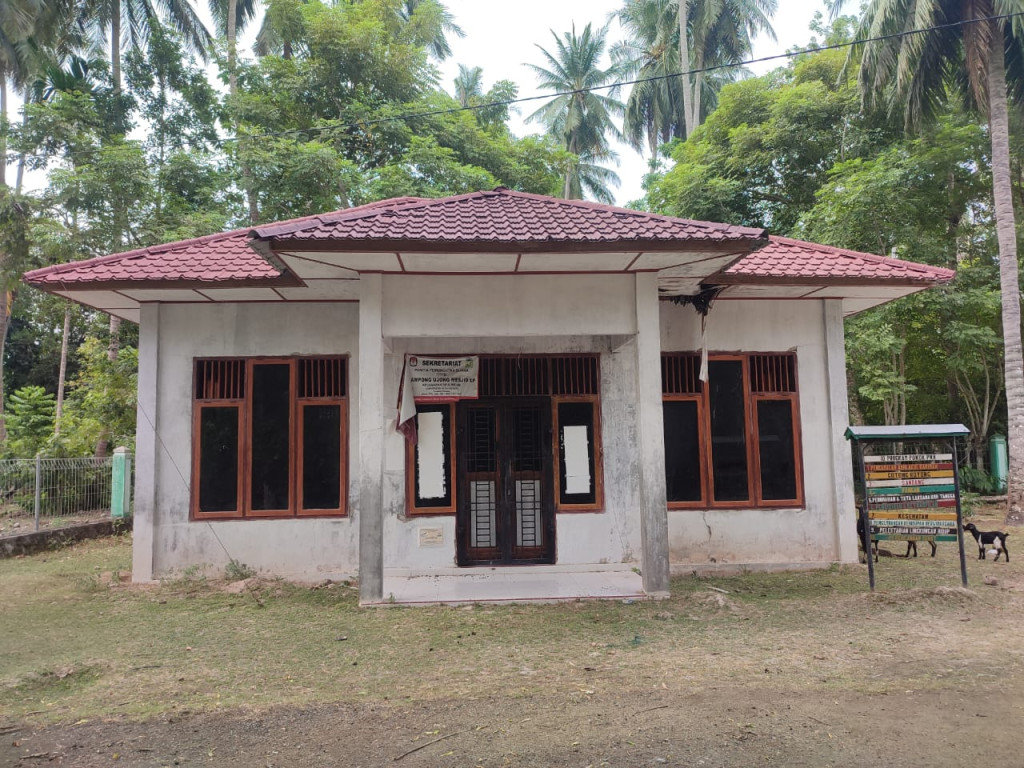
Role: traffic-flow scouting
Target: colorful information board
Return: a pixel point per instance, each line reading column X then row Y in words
column 910, row 488
column 911, row 497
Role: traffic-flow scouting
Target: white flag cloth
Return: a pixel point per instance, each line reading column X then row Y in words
column 406, row 423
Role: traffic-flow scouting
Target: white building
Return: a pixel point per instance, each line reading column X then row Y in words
column 271, row 359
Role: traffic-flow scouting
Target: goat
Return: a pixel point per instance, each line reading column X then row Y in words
column 912, row 546
column 862, row 539
column 994, row 540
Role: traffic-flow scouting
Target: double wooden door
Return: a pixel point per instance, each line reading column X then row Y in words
column 506, row 510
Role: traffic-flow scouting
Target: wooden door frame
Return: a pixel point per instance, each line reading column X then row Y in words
column 505, row 502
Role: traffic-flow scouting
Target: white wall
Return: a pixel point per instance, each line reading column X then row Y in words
column 485, row 315
column 778, row 536
column 309, row 548
column 523, row 305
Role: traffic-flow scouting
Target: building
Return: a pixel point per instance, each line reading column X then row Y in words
column 271, row 361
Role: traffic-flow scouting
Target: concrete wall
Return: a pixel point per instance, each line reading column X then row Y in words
column 482, row 315
column 308, row 548
column 700, row 538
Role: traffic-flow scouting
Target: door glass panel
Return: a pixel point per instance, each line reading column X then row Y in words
column 218, row 459
column 480, row 439
column 482, row 508
column 527, row 450
column 321, row 457
column 778, row 457
column 682, row 450
column 728, row 430
column 529, row 530
column 271, row 399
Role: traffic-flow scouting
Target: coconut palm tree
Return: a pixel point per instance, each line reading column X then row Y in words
column 715, row 33
column 578, row 115
column 469, row 85
column 720, row 35
column 19, row 25
column 915, row 74
column 231, row 17
column 128, row 21
column 650, row 53
column 439, row 47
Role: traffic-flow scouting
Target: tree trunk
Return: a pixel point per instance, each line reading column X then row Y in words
column 113, row 347
column 1002, row 193
column 684, row 65
column 5, row 317
column 22, row 155
column 63, row 368
column 3, row 129
column 232, row 57
column 115, row 45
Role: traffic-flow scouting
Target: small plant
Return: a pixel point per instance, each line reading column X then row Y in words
column 979, row 481
column 237, row 571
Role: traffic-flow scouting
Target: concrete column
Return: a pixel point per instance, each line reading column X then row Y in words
column 839, row 419
column 371, row 440
column 146, row 445
column 651, row 433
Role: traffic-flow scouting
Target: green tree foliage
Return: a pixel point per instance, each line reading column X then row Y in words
column 30, row 414
column 762, row 155
column 101, row 399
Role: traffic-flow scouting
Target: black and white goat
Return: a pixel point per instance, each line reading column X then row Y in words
column 989, row 540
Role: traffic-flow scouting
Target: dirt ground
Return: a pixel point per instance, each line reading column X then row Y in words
column 726, row 726
column 752, row 670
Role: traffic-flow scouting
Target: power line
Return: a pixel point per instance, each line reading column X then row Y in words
column 606, row 87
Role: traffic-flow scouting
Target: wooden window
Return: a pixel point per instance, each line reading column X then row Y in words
column 734, row 441
column 430, row 485
column 270, row 437
column 573, row 384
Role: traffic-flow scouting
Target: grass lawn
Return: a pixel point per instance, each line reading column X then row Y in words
column 76, row 644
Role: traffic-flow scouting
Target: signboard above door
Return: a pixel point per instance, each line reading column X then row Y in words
column 443, row 379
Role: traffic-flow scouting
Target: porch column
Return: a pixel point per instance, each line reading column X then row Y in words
column 371, row 440
column 651, row 432
column 839, row 417
column 146, row 447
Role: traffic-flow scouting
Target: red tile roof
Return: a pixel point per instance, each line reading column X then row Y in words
column 786, row 259
column 500, row 218
column 229, row 258
column 217, row 258
column 211, row 259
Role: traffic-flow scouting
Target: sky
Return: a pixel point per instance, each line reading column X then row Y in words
column 502, row 37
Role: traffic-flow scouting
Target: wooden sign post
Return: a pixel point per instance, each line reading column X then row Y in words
column 911, row 492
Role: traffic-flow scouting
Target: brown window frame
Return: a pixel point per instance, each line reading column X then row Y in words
column 412, row 508
column 751, row 399
column 296, row 434
column 598, row 448
column 556, row 382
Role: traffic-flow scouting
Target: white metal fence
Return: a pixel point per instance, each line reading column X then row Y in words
column 39, row 493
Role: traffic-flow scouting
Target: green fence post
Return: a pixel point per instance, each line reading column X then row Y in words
column 998, row 461
column 39, row 489
column 118, row 483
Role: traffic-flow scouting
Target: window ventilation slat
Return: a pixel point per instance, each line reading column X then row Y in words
column 680, row 374
column 322, row 377
column 220, row 379
column 773, row 374
column 539, row 376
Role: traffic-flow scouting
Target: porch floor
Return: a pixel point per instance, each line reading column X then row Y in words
column 537, row 584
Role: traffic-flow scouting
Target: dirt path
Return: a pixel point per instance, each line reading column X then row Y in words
column 728, row 726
